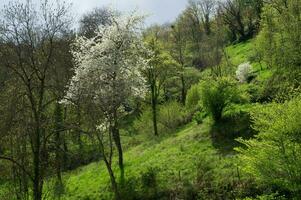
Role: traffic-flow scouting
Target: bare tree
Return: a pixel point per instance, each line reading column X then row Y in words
column 29, row 34
column 178, row 52
column 90, row 22
column 204, row 10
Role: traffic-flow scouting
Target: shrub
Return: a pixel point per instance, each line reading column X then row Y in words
column 255, row 91
column 193, row 97
column 273, row 158
column 144, row 123
column 216, row 95
column 172, row 115
column 128, row 190
column 199, row 117
column 149, row 184
column 243, row 72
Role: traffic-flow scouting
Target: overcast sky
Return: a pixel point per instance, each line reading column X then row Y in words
column 161, row 11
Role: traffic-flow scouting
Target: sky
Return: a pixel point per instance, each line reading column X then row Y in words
column 160, row 11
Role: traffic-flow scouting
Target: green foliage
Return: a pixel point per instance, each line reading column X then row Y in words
column 279, row 39
column 283, row 85
column 273, row 196
column 217, row 94
column 193, row 97
column 255, row 92
column 272, row 158
column 144, row 123
column 199, row 116
column 170, row 116
column 149, row 183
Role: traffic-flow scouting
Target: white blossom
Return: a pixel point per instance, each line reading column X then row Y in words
column 108, row 66
column 243, row 72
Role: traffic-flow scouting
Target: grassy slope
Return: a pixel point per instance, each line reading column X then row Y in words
column 181, row 152
column 242, row 52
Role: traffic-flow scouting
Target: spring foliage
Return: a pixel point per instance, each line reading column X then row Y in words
column 277, row 142
column 216, row 95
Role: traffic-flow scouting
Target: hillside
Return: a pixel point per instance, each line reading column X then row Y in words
column 177, row 161
column 104, row 106
column 171, row 159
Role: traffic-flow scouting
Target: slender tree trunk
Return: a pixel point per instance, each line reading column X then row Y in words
column 108, row 163
column 116, row 137
column 154, row 110
column 65, row 147
column 78, row 132
column 37, row 175
column 58, row 128
column 112, row 178
column 117, row 140
column 183, row 91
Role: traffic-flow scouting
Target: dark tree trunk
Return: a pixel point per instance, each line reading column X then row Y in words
column 112, row 178
column 58, row 128
column 154, row 109
column 183, row 91
column 116, row 137
column 37, row 185
column 108, row 163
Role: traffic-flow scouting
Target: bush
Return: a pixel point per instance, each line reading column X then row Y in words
column 255, row 91
column 149, row 184
column 170, row 116
column 144, row 123
column 243, row 72
column 216, row 95
column 273, row 158
column 199, row 117
column 193, row 97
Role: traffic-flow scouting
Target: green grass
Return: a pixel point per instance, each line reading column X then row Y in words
column 180, row 153
column 242, row 52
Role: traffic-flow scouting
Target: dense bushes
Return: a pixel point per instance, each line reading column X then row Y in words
column 273, row 158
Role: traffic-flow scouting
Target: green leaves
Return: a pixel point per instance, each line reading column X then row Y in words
column 217, row 94
column 274, row 156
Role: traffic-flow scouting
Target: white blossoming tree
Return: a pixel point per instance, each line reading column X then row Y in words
column 108, row 72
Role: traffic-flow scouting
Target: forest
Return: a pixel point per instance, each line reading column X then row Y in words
column 206, row 107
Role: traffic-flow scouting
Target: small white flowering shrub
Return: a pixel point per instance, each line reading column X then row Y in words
column 243, row 72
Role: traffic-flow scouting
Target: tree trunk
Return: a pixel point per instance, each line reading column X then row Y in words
column 183, row 91
column 58, row 128
column 37, row 185
column 154, row 110
column 116, row 137
column 112, row 178
column 108, row 163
